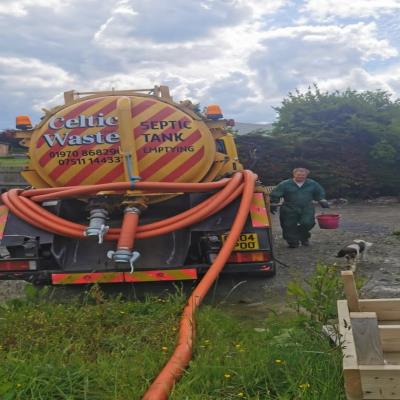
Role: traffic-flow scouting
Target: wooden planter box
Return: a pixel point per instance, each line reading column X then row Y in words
column 370, row 337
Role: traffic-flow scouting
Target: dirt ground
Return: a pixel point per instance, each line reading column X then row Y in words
column 373, row 221
column 370, row 221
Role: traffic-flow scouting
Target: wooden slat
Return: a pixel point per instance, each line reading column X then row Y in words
column 386, row 309
column 350, row 290
column 349, row 349
column 351, row 373
column 390, row 337
column 380, row 382
column 392, row 358
column 366, row 338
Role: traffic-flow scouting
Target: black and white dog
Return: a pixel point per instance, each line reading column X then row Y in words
column 355, row 251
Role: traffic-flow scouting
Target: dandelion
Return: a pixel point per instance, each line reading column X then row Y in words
column 277, row 361
column 238, row 346
column 164, row 348
column 227, row 376
column 304, row 386
column 240, row 394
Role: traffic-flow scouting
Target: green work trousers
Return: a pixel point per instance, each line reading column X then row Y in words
column 296, row 222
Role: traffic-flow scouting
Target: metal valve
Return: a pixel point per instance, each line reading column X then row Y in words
column 97, row 226
column 124, row 256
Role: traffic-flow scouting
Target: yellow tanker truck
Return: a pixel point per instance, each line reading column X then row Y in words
column 129, row 186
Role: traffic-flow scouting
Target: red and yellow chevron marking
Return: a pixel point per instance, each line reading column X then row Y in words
column 91, row 277
column 162, row 275
column 258, row 212
column 3, row 220
column 170, row 144
column 121, row 277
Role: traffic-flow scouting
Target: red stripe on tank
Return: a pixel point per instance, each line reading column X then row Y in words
column 184, row 167
column 165, row 159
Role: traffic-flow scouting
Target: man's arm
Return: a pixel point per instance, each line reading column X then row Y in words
column 319, row 195
column 319, row 192
column 277, row 193
column 275, row 197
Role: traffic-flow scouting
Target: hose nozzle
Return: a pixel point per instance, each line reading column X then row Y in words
column 97, row 225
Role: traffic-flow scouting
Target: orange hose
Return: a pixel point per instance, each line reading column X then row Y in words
column 200, row 215
column 84, row 190
column 37, row 216
column 162, row 385
column 22, row 204
column 13, row 201
column 128, row 230
column 31, row 208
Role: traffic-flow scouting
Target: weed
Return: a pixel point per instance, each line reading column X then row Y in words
column 319, row 296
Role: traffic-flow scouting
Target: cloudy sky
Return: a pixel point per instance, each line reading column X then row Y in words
column 245, row 55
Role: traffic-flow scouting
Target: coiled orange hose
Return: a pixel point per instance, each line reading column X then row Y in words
column 25, row 208
column 23, row 204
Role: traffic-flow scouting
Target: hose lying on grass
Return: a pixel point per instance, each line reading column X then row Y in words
column 23, row 203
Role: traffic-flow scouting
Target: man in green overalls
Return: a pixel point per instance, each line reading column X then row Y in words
column 297, row 212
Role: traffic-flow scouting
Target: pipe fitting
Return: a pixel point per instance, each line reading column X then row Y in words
column 97, row 226
column 132, row 210
column 125, row 253
column 124, row 256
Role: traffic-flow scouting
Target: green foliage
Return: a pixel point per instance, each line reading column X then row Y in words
column 349, row 140
column 384, row 152
column 319, row 296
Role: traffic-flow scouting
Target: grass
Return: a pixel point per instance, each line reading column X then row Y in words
column 283, row 359
column 103, row 349
column 84, row 350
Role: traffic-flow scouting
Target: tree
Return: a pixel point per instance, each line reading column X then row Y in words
column 350, row 141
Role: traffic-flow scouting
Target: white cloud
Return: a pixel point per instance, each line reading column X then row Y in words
column 294, row 56
column 29, row 84
column 21, row 8
column 261, row 8
column 30, row 73
column 355, row 78
column 244, row 54
column 160, row 22
column 327, row 10
column 361, row 37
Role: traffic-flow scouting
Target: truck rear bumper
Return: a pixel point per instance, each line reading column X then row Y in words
column 81, row 278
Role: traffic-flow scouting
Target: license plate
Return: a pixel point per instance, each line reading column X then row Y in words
column 247, row 241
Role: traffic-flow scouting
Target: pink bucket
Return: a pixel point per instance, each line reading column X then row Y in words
column 328, row 221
